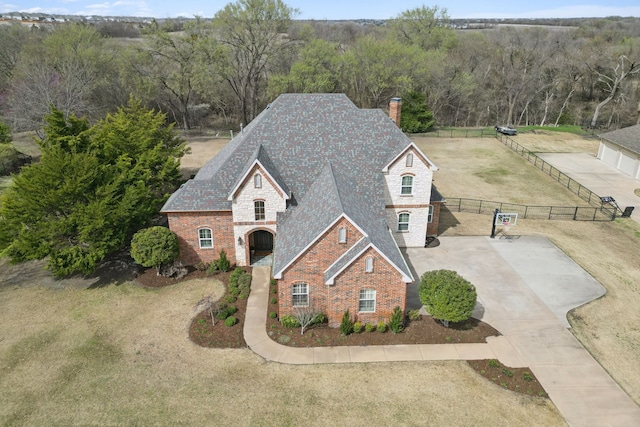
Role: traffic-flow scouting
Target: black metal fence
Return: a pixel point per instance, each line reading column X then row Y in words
column 460, row 133
column 7, row 167
column 575, row 213
column 572, row 185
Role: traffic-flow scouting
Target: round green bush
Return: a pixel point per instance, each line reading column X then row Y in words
column 382, row 327
column 274, row 300
column 289, row 321
column 230, row 298
column 154, row 246
column 230, row 321
column 448, row 296
column 273, row 315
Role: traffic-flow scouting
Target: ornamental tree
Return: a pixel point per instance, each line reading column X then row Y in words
column 447, row 296
column 154, row 247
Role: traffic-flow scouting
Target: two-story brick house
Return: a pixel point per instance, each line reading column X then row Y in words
column 333, row 190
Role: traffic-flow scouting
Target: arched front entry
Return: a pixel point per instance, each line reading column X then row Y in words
column 260, row 247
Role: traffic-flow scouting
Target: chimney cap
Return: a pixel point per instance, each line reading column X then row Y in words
column 396, row 99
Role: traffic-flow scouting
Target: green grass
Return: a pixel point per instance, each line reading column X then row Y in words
column 5, row 182
column 562, row 128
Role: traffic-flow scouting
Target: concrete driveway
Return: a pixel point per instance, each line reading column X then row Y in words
column 525, row 287
column 598, row 177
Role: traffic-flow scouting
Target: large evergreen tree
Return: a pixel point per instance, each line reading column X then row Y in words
column 92, row 188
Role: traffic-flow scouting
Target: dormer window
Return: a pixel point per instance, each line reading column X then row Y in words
column 409, row 160
column 257, row 181
column 342, row 235
column 407, row 185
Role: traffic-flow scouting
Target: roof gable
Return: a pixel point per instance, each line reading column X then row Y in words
column 413, row 147
column 262, row 160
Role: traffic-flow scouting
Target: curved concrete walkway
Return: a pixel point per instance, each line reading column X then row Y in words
column 514, row 279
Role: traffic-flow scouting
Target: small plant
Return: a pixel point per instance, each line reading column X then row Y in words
column 346, row 327
column 382, row 327
column 231, row 309
column 273, row 282
column 320, row 318
column 223, row 262
column 234, row 291
column 396, row 323
column 369, row 327
column 289, row 321
column 414, row 314
column 213, row 268
column 274, row 290
column 273, row 300
column 527, row 376
column 230, row 321
column 230, row 299
column 201, row 266
column 273, row 315
column 357, row 328
column 244, row 281
column 507, row 372
column 494, row 363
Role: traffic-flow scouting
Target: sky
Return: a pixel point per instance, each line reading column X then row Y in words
column 335, row 9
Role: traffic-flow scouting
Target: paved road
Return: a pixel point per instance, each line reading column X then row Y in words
column 598, row 177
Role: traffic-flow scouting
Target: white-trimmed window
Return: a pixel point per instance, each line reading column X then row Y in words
column 367, row 301
column 257, row 181
column 205, row 237
column 368, row 264
column 430, row 214
column 300, row 295
column 342, row 235
column 407, row 185
column 409, row 159
column 403, row 221
column 258, row 207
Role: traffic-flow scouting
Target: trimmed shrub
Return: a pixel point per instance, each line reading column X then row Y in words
column 320, row 318
column 273, row 282
column 289, row 321
column 234, row 291
column 230, row 321
column 213, row 268
column 357, row 328
column 273, row 300
column 222, row 312
column 447, row 296
column 223, row 262
column 235, row 276
column 231, row 309
column 273, row 315
column 346, row 327
column 396, row 323
column 369, row 327
column 154, row 246
column 382, row 327
column 230, row 299
column 244, row 281
column 201, row 266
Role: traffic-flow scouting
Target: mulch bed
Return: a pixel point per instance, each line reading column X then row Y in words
column 425, row 330
column 520, row 380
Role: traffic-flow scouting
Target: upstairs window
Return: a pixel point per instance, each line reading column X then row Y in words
column 257, row 181
column 205, row 238
column 409, row 160
column 368, row 264
column 407, row 185
column 403, row 221
column 258, row 207
column 367, row 301
column 300, row 295
column 342, row 235
column 430, row 215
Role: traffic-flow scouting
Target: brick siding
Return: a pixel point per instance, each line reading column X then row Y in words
column 333, row 300
column 186, row 226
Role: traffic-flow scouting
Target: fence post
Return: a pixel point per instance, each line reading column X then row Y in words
column 575, row 214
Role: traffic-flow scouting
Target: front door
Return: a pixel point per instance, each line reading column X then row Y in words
column 261, row 248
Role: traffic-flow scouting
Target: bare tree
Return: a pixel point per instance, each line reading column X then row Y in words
column 306, row 316
column 624, row 68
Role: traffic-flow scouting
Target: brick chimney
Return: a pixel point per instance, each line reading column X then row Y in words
column 395, row 108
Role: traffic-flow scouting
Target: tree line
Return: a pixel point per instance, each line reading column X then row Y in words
column 222, row 72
